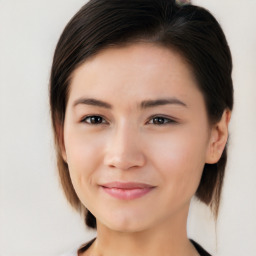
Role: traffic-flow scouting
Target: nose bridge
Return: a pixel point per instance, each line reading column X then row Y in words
column 123, row 151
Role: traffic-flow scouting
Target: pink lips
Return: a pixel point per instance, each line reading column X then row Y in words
column 127, row 191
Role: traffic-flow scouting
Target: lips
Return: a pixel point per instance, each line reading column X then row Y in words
column 127, row 191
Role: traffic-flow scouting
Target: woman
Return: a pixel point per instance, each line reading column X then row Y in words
column 141, row 96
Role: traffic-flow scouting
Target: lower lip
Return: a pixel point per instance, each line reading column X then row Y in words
column 127, row 194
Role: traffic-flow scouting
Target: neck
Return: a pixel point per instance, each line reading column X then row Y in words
column 168, row 237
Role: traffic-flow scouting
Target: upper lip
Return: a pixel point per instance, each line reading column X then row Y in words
column 126, row 185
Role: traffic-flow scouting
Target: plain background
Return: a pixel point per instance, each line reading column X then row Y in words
column 35, row 219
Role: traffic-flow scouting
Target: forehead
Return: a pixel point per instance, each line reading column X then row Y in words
column 140, row 70
column 139, row 54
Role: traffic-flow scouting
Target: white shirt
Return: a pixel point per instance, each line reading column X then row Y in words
column 71, row 253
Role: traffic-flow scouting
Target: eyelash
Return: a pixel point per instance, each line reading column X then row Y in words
column 93, row 117
column 164, row 120
column 101, row 120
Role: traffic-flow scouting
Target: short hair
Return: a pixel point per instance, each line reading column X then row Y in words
column 190, row 30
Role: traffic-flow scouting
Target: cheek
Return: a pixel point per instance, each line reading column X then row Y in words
column 81, row 147
column 83, row 157
column 180, row 160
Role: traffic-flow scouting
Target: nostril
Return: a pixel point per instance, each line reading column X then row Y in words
column 125, row 161
column 124, row 151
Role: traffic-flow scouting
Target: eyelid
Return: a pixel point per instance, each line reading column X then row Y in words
column 83, row 119
column 170, row 120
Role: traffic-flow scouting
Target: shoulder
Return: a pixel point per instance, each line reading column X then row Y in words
column 79, row 250
column 200, row 249
column 71, row 253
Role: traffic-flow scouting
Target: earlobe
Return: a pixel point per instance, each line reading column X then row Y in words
column 218, row 138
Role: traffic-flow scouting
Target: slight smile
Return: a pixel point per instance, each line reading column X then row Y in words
column 127, row 191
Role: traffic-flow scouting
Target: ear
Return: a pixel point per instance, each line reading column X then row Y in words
column 60, row 140
column 218, row 138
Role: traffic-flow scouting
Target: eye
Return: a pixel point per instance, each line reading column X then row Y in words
column 161, row 120
column 96, row 120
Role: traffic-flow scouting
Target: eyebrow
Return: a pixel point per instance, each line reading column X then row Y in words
column 161, row 102
column 144, row 104
column 92, row 102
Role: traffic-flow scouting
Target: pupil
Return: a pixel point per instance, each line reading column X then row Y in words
column 158, row 120
column 96, row 119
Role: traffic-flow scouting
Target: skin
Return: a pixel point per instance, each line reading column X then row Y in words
column 127, row 144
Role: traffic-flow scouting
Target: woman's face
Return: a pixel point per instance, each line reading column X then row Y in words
column 136, row 136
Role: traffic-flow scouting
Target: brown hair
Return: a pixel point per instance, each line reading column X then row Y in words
column 188, row 29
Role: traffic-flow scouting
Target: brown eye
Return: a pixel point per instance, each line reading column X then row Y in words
column 160, row 120
column 94, row 120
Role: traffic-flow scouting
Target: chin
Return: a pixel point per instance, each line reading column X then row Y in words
column 127, row 228
column 126, row 224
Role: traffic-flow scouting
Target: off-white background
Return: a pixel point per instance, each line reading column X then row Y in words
column 35, row 219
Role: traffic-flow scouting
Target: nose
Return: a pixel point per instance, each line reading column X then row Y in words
column 124, row 150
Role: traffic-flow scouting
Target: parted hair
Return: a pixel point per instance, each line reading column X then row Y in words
column 190, row 30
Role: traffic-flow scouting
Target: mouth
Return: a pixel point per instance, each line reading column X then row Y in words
column 126, row 191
